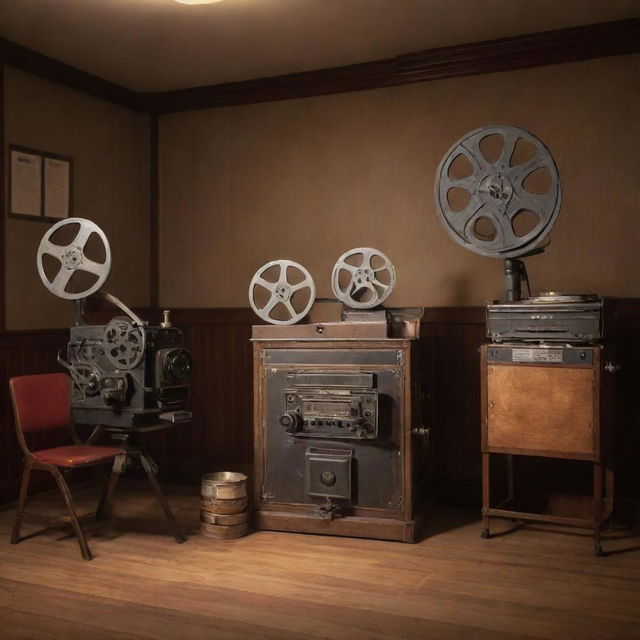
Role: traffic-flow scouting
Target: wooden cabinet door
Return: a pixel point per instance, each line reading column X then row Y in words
column 540, row 409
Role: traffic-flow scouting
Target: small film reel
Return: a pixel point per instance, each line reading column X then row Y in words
column 363, row 278
column 498, row 191
column 124, row 343
column 73, row 259
column 285, row 299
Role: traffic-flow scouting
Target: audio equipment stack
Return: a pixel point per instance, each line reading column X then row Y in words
column 544, row 376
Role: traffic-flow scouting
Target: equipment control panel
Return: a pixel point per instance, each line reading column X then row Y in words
column 336, row 410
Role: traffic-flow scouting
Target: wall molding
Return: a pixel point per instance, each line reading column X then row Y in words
column 38, row 64
column 504, row 54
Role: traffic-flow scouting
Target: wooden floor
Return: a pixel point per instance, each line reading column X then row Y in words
column 532, row 583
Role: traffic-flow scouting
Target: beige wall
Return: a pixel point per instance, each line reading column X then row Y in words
column 110, row 150
column 308, row 179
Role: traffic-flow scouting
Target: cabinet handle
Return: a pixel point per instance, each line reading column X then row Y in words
column 612, row 368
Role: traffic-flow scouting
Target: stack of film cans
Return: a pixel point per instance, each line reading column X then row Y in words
column 224, row 505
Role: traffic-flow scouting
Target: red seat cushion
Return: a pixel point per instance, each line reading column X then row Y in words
column 75, row 455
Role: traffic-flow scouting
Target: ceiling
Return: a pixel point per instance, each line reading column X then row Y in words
column 157, row 45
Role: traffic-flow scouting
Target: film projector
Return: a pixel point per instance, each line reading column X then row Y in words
column 544, row 375
column 339, row 444
column 127, row 377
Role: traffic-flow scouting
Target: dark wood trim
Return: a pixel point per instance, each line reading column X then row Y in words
column 154, row 211
column 454, row 315
column 28, row 60
column 23, row 339
column 505, row 54
column 239, row 315
column 3, row 198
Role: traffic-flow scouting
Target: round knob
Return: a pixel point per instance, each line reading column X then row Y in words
column 291, row 421
column 328, row 478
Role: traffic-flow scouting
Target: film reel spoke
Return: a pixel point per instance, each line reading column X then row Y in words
column 91, row 266
column 510, row 140
column 460, row 221
column 289, row 307
column 72, row 258
column 471, row 149
column 269, row 286
column 273, row 301
column 281, row 292
column 363, row 278
column 499, row 192
column 54, row 250
column 518, row 173
column 82, row 237
column 377, row 283
column 306, row 283
column 62, row 279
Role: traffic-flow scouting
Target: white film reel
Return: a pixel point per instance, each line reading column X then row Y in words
column 282, row 291
column 72, row 258
column 364, row 289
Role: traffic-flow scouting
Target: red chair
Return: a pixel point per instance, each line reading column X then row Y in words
column 41, row 403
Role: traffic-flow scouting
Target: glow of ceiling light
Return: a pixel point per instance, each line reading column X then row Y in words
column 197, row 1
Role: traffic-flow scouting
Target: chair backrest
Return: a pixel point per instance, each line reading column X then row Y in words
column 41, row 402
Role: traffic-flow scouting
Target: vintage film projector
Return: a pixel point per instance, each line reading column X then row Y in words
column 127, row 377
column 544, row 380
column 124, row 373
column 339, row 444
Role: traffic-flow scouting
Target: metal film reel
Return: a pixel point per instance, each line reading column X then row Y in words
column 281, row 291
column 72, row 258
column 124, row 343
column 364, row 289
column 487, row 223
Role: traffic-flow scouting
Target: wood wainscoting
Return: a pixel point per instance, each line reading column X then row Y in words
column 221, row 433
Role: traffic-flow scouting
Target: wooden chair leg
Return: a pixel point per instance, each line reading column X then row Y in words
column 66, row 494
column 22, row 501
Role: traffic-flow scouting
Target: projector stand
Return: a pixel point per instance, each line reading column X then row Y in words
column 132, row 448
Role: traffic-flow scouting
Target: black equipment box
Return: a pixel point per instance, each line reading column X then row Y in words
column 126, row 375
column 548, row 318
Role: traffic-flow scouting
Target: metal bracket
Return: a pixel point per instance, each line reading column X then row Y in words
column 328, row 510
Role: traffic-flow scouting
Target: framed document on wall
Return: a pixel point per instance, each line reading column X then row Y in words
column 40, row 184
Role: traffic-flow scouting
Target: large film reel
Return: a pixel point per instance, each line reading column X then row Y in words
column 282, row 291
column 362, row 288
column 499, row 202
column 72, row 258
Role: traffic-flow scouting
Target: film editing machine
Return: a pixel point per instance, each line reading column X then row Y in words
column 545, row 374
column 339, row 445
column 127, row 377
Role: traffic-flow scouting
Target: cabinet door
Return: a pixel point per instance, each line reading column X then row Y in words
column 543, row 409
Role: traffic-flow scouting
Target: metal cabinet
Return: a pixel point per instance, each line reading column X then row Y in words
column 339, row 444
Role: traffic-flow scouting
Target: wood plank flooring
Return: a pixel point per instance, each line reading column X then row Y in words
column 537, row 582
